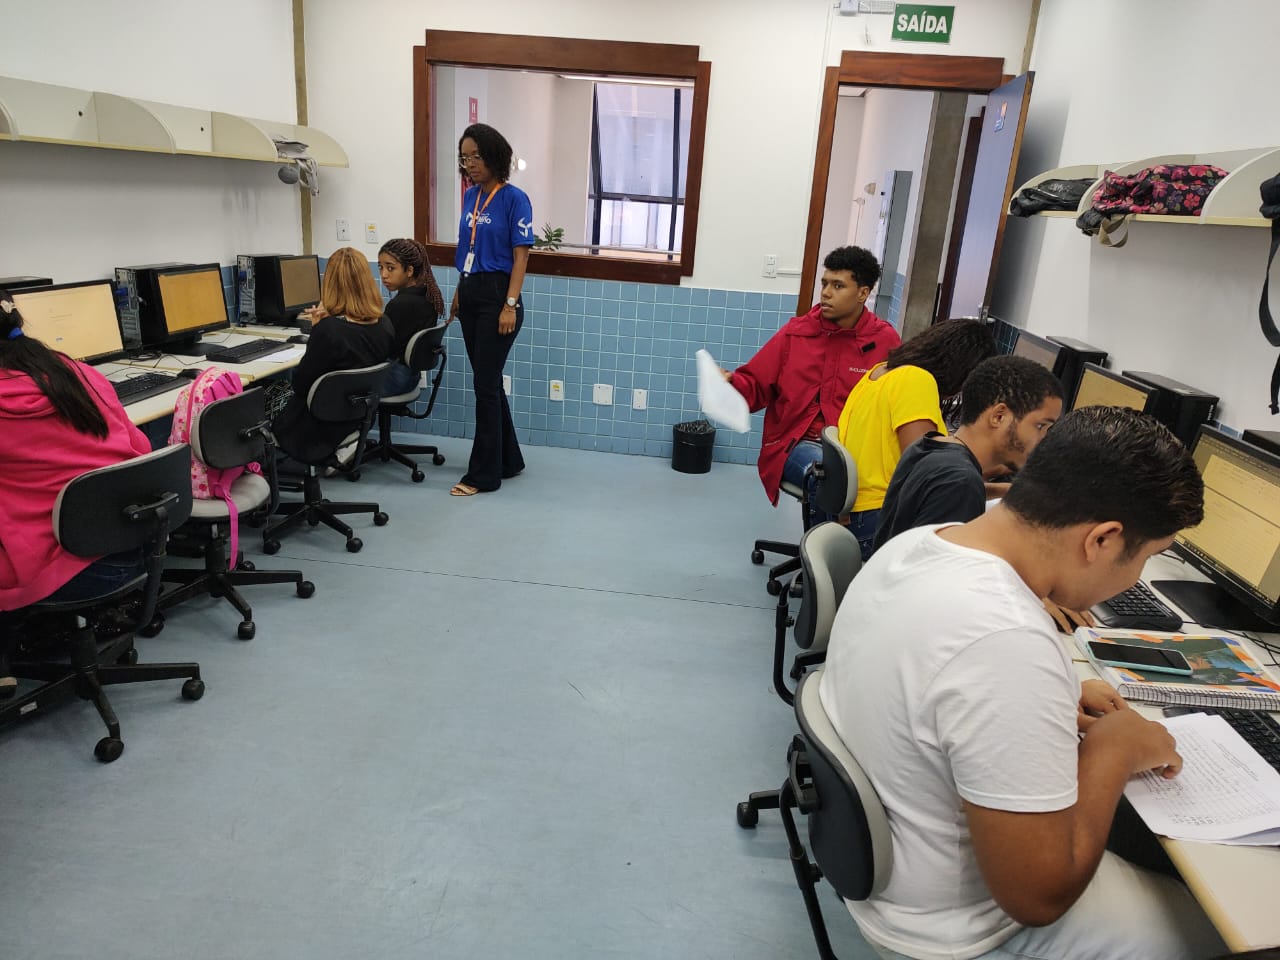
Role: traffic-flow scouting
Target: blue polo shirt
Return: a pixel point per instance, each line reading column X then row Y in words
column 506, row 223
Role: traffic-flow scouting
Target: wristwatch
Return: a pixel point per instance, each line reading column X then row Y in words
column 511, row 301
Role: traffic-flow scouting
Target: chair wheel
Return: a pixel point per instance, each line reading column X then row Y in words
column 380, row 519
column 152, row 628
column 270, row 546
column 417, row 476
column 246, row 630
column 128, row 658
column 757, row 557
column 774, row 588
column 353, row 476
column 438, row 459
column 108, row 749
column 306, row 589
column 748, row 816
column 246, row 565
column 313, row 521
column 193, row 689
column 354, row 545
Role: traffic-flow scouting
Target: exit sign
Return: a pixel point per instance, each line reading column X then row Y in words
column 922, row 22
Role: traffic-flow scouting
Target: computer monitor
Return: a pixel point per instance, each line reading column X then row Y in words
column 1237, row 546
column 1100, row 387
column 78, row 319
column 1044, row 352
column 284, row 286
column 189, row 302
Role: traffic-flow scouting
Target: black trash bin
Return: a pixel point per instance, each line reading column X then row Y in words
column 691, row 446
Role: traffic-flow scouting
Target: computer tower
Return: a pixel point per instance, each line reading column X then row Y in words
column 14, row 284
column 1268, row 440
column 138, row 297
column 1075, row 354
column 1179, row 407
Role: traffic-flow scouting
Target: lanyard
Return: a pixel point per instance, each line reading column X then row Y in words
column 478, row 210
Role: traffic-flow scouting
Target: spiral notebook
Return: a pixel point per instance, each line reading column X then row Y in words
column 1224, row 673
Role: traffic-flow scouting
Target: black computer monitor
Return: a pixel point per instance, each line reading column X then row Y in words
column 284, row 286
column 189, row 302
column 1044, row 352
column 1099, row 387
column 78, row 319
column 1237, row 546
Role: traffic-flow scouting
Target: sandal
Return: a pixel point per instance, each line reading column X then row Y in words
column 463, row 490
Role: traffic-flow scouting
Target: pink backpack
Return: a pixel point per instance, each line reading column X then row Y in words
column 209, row 483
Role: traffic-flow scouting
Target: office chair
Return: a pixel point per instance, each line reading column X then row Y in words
column 424, row 352
column 340, row 396
column 848, row 827
column 126, row 506
column 228, row 433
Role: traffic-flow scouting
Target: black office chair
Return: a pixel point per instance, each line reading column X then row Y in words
column 340, row 396
column 424, row 352
column 126, row 506
column 230, row 433
column 848, row 828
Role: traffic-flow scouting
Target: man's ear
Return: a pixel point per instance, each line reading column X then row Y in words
column 998, row 415
column 1104, row 541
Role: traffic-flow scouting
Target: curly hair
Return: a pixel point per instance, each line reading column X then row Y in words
column 1110, row 463
column 859, row 262
column 493, row 148
column 412, row 257
column 1020, row 384
column 948, row 350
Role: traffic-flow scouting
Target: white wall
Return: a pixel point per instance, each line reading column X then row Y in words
column 1177, row 300
column 75, row 212
column 841, row 214
column 767, row 61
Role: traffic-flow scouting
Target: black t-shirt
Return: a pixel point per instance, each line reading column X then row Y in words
column 936, row 481
column 409, row 311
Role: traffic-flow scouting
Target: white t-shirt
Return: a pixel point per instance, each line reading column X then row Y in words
column 946, row 679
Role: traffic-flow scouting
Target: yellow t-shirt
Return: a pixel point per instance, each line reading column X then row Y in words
column 869, row 422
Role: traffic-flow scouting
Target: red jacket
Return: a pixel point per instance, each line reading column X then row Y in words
column 39, row 453
column 809, row 357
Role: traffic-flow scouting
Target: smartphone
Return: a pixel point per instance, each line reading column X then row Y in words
column 1140, row 657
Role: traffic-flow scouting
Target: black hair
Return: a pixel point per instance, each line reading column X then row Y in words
column 859, row 262
column 493, row 147
column 948, row 350
column 1110, row 463
column 53, row 373
column 1020, row 384
column 412, row 255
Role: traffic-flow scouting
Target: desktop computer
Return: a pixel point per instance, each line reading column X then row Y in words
column 1102, row 387
column 1179, row 407
column 78, row 319
column 1075, row 354
column 275, row 288
column 1038, row 349
column 14, row 284
column 169, row 305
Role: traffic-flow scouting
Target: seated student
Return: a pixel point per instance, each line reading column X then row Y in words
column 58, row 419
column 353, row 333
column 803, row 374
column 898, row 402
column 1000, row 772
column 417, row 305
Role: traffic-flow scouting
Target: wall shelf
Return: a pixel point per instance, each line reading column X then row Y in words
column 48, row 113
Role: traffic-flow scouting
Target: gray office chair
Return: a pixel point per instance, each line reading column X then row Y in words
column 229, row 433
column 424, row 352
column 340, row 396
column 123, row 507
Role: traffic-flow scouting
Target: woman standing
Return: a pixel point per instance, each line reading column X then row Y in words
column 494, row 236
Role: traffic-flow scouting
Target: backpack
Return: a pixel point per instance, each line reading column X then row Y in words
column 209, row 483
column 1169, row 189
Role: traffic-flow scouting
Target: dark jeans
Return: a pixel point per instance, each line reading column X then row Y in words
column 400, row 379
column 495, row 451
column 796, row 470
column 105, row 575
column 864, row 525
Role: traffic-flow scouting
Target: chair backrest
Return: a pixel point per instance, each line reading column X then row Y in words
column 848, row 829
column 839, row 487
column 425, row 348
column 343, row 396
column 124, row 506
column 231, row 432
column 830, row 558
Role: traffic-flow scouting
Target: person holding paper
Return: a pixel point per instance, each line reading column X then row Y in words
column 946, row 680
column 803, row 374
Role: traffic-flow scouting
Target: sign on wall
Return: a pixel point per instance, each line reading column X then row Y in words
column 922, row 22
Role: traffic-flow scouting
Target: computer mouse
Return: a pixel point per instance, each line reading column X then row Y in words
column 298, row 338
column 304, row 325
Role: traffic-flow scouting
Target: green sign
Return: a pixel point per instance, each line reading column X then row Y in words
column 922, row 22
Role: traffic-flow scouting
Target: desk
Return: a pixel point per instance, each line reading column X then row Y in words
column 1236, row 886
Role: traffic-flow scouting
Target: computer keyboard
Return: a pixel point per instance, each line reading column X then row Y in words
column 244, row 352
column 1137, row 609
column 1258, row 728
column 146, row 385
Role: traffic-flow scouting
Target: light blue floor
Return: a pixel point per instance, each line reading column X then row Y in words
column 515, row 725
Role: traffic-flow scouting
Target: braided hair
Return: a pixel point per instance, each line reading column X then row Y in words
column 412, row 256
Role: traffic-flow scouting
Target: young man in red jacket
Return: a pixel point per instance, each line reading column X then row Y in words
column 803, row 375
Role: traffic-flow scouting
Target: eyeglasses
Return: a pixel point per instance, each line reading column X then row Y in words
column 463, row 159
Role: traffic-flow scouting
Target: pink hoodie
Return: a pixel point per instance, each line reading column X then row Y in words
column 39, row 454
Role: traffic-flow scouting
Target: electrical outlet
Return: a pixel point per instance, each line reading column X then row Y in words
column 343, row 229
column 506, row 384
column 639, row 399
column 770, row 265
column 557, row 389
column 602, row 394
column 370, row 232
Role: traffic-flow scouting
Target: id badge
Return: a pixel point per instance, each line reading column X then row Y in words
column 469, row 262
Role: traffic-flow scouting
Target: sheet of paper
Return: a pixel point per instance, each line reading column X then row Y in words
column 718, row 400
column 1226, row 792
column 284, row 355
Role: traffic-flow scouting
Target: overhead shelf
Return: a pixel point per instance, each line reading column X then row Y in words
column 1233, row 202
column 48, row 113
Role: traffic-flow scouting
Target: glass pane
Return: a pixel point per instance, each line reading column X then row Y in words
column 637, row 131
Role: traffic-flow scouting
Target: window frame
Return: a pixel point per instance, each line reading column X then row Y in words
column 554, row 54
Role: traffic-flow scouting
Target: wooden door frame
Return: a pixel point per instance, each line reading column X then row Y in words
column 910, row 71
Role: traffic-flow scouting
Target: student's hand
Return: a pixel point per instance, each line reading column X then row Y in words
column 318, row 312
column 728, row 375
column 453, row 309
column 1145, row 744
column 1068, row 620
column 506, row 320
column 1097, row 699
column 995, row 490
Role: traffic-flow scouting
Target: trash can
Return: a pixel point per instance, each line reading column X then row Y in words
column 691, row 446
